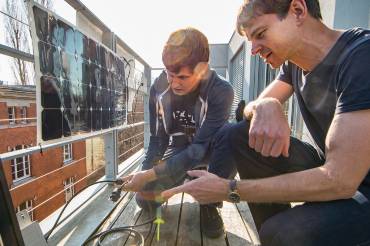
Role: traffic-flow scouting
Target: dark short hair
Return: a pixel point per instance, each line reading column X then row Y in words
column 253, row 8
column 185, row 47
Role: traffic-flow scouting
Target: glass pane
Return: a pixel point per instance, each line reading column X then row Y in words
column 66, row 37
column 51, row 96
column 50, row 63
column 46, row 26
column 96, row 119
column 69, row 66
column 51, row 124
column 81, row 42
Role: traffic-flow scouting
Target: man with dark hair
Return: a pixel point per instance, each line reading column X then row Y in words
column 328, row 70
column 188, row 105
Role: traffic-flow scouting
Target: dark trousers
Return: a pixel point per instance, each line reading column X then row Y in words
column 218, row 160
column 340, row 222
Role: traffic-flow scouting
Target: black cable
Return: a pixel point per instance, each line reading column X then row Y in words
column 67, row 203
column 103, row 234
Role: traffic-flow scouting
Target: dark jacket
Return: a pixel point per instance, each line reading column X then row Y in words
column 211, row 112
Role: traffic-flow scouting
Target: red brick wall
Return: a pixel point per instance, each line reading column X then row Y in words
column 40, row 188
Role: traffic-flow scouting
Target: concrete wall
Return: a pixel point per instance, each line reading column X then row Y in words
column 88, row 28
column 235, row 44
column 217, row 60
column 352, row 13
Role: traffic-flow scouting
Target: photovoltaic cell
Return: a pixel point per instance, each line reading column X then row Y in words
column 82, row 82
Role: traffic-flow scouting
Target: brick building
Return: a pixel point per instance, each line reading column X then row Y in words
column 34, row 180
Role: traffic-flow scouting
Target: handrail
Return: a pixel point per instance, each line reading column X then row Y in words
column 39, row 148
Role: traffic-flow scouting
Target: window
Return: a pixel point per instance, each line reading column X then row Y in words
column 20, row 166
column 27, row 205
column 67, row 153
column 24, row 115
column 11, row 115
column 69, row 188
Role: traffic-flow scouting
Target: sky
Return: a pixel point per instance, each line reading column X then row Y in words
column 146, row 24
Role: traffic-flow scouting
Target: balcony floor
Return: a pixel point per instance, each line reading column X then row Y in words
column 182, row 224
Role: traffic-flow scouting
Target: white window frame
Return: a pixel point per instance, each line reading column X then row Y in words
column 67, row 153
column 69, row 188
column 24, row 114
column 19, row 164
column 11, row 115
column 26, row 205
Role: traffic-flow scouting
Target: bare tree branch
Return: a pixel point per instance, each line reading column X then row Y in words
column 17, row 35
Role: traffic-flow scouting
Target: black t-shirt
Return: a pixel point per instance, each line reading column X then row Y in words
column 183, row 111
column 339, row 83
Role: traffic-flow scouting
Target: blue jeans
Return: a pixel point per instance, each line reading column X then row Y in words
column 340, row 222
column 218, row 159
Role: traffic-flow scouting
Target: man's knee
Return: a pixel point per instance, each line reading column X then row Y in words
column 282, row 231
column 222, row 133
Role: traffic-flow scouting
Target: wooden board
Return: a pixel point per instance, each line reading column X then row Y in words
column 236, row 232
column 247, row 218
column 214, row 241
column 189, row 230
column 170, row 215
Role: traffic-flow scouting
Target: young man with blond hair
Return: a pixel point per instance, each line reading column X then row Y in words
column 188, row 105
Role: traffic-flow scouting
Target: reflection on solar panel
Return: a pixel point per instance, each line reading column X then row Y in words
column 82, row 83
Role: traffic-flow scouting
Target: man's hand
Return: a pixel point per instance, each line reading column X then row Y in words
column 136, row 181
column 269, row 132
column 207, row 188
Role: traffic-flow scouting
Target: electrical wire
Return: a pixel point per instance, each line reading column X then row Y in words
column 67, row 203
column 130, row 229
column 103, row 234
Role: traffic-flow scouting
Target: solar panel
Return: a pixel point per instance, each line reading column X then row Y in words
column 81, row 83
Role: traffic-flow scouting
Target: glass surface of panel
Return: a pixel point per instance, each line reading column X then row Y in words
column 49, row 58
column 108, row 80
column 105, row 99
column 96, row 97
column 70, row 120
column 105, row 118
column 85, row 73
column 95, row 75
column 71, row 93
column 52, row 126
column 46, row 26
column 51, row 96
column 84, row 101
column 96, row 119
column 84, row 120
column 66, row 37
column 81, row 45
column 93, row 52
column 69, row 66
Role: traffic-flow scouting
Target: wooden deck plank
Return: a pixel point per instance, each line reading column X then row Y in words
column 236, row 231
column 140, row 216
column 170, row 215
column 214, row 241
column 129, row 216
column 246, row 215
column 189, row 231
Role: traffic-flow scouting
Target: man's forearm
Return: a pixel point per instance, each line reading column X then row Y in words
column 309, row 185
column 150, row 175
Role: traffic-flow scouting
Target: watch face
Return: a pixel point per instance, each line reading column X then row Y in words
column 234, row 197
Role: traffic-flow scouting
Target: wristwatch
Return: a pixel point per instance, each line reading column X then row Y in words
column 233, row 193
